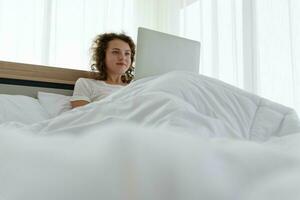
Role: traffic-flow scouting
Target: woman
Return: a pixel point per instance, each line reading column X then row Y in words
column 112, row 58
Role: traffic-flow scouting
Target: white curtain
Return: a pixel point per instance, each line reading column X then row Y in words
column 60, row 32
column 278, row 50
column 253, row 44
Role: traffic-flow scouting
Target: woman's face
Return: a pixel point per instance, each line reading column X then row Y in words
column 117, row 57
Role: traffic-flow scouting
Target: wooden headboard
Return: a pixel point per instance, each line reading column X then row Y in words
column 27, row 79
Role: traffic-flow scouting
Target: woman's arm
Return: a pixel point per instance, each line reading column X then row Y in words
column 82, row 93
column 78, row 103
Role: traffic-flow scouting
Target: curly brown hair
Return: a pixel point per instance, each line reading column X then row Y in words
column 98, row 50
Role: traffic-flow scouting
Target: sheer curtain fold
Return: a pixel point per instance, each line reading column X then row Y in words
column 18, row 28
column 294, row 8
column 277, row 50
column 252, row 44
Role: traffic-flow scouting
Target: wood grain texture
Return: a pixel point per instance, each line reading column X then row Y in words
column 22, row 71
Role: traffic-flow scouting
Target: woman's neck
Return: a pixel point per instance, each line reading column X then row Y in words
column 114, row 80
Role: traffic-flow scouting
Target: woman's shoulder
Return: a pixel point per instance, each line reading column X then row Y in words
column 89, row 80
column 89, row 83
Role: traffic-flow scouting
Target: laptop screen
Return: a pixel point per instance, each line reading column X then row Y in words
column 159, row 53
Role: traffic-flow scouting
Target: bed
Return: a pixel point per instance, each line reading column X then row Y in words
column 174, row 136
column 27, row 79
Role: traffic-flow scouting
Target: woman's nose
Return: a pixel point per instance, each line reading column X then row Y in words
column 121, row 56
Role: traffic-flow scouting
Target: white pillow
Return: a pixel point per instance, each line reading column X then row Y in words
column 19, row 108
column 54, row 104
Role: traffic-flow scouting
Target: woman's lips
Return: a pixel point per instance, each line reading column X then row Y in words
column 121, row 64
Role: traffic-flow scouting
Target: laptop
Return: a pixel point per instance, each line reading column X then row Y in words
column 159, row 53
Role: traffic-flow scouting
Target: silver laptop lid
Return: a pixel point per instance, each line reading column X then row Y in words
column 159, row 53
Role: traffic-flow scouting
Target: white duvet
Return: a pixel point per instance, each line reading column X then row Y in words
column 176, row 136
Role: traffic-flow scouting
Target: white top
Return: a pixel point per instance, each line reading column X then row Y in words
column 92, row 90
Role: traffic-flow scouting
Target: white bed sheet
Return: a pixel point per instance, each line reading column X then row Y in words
column 177, row 136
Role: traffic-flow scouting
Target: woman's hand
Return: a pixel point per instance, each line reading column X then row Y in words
column 78, row 103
